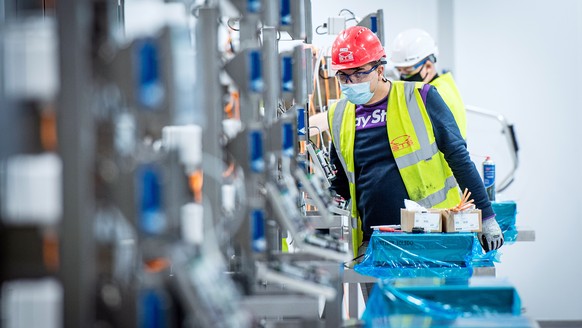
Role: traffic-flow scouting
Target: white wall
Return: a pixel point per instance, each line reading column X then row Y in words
column 520, row 58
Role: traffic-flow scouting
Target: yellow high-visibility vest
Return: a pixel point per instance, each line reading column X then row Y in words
column 447, row 88
column 424, row 170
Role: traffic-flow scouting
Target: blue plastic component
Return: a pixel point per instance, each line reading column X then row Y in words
column 152, row 310
column 256, row 151
column 152, row 218
column 374, row 24
column 478, row 302
column 254, row 6
column 302, row 164
column 288, row 134
column 255, row 72
column 258, row 229
column 301, row 130
column 285, row 12
column 287, row 74
column 394, row 254
column 505, row 214
column 150, row 91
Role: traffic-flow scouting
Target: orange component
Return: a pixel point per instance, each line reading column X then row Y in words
column 50, row 251
column 236, row 97
column 228, row 171
column 196, row 182
column 465, row 202
column 302, row 147
column 232, row 109
column 157, row 265
column 48, row 129
column 325, row 83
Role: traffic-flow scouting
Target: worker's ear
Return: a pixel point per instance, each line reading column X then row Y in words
column 430, row 67
column 380, row 70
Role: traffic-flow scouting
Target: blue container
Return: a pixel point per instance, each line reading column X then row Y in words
column 394, row 254
column 505, row 214
column 477, row 302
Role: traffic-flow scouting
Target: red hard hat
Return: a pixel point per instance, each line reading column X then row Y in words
column 354, row 47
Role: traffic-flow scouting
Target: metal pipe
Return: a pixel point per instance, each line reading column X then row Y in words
column 77, row 149
column 271, row 73
column 207, row 40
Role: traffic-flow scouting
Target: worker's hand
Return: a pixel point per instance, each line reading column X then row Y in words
column 491, row 236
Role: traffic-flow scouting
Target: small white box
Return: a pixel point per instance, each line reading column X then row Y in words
column 466, row 221
column 430, row 220
column 335, row 25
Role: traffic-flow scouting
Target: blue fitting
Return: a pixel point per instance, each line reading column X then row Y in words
column 255, row 71
column 287, row 74
column 254, row 6
column 301, row 130
column 288, row 139
column 150, row 90
column 151, row 219
column 257, row 161
column 285, row 12
column 258, row 230
column 374, row 24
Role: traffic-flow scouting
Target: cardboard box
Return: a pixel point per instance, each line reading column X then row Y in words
column 430, row 220
column 466, row 221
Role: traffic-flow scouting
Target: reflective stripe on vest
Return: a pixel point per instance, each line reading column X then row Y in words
column 438, row 196
column 427, row 150
column 336, row 127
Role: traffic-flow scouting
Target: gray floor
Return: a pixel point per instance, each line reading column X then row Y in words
column 560, row 324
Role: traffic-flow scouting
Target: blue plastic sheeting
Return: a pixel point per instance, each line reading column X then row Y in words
column 475, row 302
column 505, row 213
column 443, row 255
column 482, row 259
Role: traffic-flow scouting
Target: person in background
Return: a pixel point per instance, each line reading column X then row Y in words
column 394, row 141
column 414, row 54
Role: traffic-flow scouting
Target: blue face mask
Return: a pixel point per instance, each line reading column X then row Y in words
column 357, row 93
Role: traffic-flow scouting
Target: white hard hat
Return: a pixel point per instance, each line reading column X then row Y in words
column 412, row 46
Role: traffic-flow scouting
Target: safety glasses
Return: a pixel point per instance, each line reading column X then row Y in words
column 410, row 70
column 355, row 77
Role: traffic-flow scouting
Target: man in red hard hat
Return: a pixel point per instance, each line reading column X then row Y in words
column 394, row 141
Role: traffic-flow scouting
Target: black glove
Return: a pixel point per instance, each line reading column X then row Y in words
column 491, row 236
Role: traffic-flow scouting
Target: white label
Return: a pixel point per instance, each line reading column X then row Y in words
column 429, row 221
column 466, row 221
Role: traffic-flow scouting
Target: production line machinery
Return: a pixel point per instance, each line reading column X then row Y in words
column 167, row 179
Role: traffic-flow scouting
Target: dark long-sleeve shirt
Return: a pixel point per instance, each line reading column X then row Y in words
column 380, row 190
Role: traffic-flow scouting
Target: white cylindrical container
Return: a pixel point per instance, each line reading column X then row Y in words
column 228, row 198
column 187, row 140
column 231, row 127
column 190, row 146
column 192, row 222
